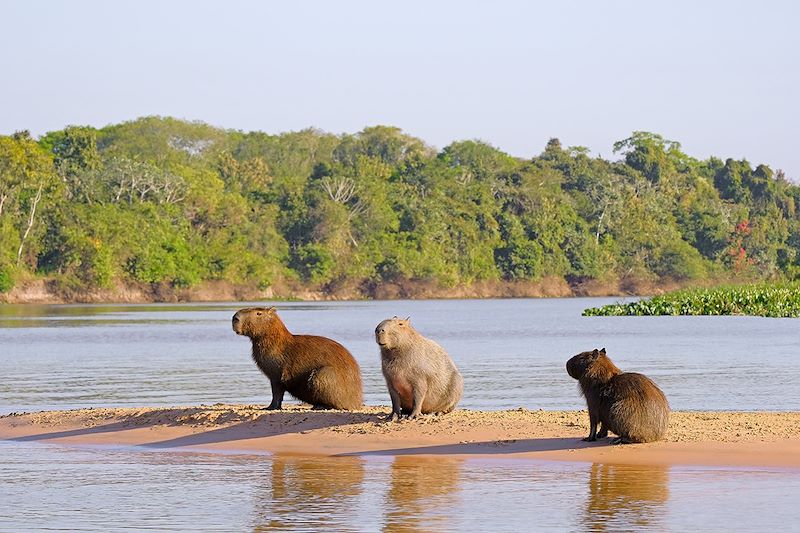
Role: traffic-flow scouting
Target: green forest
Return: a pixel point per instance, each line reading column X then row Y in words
column 167, row 204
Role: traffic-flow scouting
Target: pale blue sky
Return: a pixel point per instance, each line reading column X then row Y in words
column 721, row 77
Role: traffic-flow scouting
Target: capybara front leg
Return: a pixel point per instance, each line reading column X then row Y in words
column 397, row 411
column 277, row 394
column 603, row 433
column 593, row 421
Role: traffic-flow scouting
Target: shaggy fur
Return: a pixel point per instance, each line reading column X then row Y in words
column 315, row 370
column 420, row 376
column 625, row 403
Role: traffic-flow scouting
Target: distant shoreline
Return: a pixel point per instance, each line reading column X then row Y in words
column 45, row 291
column 693, row 438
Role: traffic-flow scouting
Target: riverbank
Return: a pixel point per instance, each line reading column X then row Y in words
column 50, row 291
column 701, row 438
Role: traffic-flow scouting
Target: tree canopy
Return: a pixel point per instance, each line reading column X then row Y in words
column 164, row 201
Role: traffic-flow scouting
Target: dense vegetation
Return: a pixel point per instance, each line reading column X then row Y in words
column 172, row 203
column 780, row 300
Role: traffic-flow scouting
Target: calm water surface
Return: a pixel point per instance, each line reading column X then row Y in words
column 51, row 487
column 511, row 352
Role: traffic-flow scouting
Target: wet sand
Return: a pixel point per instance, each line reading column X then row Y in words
column 694, row 438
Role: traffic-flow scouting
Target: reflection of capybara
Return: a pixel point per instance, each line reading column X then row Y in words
column 422, row 494
column 307, row 493
column 627, row 497
column 315, row 370
column 420, row 375
column 625, row 403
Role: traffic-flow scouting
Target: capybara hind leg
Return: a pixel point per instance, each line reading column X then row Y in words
column 603, row 433
column 420, row 389
column 277, row 394
column 321, row 385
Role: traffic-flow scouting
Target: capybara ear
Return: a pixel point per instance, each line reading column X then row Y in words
column 595, row 352
column 395, row 316
column 603, row 351
column 408, row 318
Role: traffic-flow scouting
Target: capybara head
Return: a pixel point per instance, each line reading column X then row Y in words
column 252, row 320
column 393, row 332
column 579, row 364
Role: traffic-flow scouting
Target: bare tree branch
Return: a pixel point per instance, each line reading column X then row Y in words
column 35, row 202
column 339, row 189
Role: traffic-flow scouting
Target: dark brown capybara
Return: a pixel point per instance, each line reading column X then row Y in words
column 313, row 369
column 628, row 404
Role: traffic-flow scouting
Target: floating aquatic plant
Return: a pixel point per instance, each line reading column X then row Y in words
column 779, row 300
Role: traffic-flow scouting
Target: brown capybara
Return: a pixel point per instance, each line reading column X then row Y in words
column 315, row 370
column 420, row 376
column 625, row 403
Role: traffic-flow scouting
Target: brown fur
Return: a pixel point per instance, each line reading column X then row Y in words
column 625, row 403
column 420, row 376
column 315, row 370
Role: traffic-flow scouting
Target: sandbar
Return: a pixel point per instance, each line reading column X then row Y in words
column 710, row 438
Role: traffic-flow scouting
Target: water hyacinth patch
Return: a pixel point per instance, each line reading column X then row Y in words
column 777, row 300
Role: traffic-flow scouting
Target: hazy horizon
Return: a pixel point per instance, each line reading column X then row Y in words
column 716, row 77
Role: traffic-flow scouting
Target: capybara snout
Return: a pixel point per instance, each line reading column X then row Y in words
column 247, row 320
column 577, row 365
column 380, row 335
column 390, row 333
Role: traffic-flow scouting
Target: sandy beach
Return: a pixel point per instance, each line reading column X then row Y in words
column 694, row 438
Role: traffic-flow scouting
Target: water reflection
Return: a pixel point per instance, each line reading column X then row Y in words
column 308, row 493
column 627, row 496
column 422, row 494
column 49, row 487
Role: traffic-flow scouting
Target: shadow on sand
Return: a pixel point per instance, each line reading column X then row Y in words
column 242, row 427
column 495, row 447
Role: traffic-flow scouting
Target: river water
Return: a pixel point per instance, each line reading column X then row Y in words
column 511, row 353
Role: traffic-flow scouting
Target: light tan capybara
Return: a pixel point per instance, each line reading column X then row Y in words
column 420, row 376
column 628, row 404
column 315, row 370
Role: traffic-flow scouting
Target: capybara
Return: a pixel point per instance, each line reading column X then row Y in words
column 315, row 370
column 420, row 375
column 625, row 403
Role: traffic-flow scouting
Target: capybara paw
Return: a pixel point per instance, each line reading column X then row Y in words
column 589, row 439
column 273, row 407
column 393, row 417
column 620, row 440
column 602, row 434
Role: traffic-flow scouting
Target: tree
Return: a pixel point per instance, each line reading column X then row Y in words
column 26, row 174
